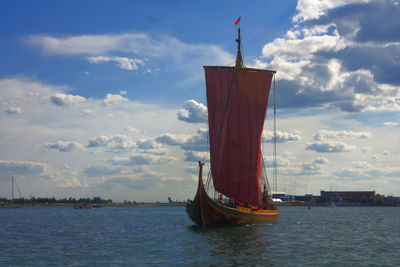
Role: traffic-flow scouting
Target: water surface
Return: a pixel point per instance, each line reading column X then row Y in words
column 165, row 236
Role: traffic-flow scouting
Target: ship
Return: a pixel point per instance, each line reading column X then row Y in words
column 237, row 101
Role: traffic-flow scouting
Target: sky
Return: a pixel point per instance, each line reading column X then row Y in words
column 107, row 98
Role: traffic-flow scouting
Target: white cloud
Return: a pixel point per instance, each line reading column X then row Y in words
column 193, row 112
column 115, row 143
column 360, row 164
column 61, row 99
column 112, row 99
column 63, row 146
column 72, row 182
column 281, row 137
column 391, row 123
column 197, row 142
column 147, row 144
column 313, row 9
column 196, row 156
column 330, row 57
column 280, row 161
column 330, row 147
column 106, row 47
column 132, row 129
column 122, row 62
column 339, row 135
column 89, row 112
column 173, row 139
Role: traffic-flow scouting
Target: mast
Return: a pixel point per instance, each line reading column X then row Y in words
column 12, row 188
column 239, row 59
column 275, row 168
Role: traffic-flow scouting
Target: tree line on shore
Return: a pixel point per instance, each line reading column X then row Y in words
column 44, row 200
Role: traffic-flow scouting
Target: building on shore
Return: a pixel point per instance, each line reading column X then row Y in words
column 365, row 198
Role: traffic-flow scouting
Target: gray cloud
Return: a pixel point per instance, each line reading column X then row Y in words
column 197, row 142
column 14, row 110
column 132, row 183
column 114, row 143
column 62, row 146
column 10, row 167
column 330, row 147
column 141, row 160
column 96, row 171
column 314, row 165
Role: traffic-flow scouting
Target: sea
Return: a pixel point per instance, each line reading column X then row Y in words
column 165, row 236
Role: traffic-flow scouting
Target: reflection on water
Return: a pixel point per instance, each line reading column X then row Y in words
column 235, row 245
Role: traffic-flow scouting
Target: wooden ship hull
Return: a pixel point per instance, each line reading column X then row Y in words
column 206, row 212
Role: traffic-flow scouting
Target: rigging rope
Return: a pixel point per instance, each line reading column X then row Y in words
column 275, row 167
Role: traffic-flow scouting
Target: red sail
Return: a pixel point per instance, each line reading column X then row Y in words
column 237, row 101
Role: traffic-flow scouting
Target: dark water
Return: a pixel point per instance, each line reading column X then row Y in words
column 164, row 236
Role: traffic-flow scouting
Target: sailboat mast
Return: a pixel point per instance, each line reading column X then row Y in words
column 275, row 167
column 239, row 59
column 12, row 188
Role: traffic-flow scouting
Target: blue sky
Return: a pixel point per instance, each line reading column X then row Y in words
column 101, row 98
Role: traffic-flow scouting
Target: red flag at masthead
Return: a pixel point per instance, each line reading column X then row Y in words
column 237, row 22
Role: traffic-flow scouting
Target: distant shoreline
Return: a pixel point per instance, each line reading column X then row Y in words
column 93, row 204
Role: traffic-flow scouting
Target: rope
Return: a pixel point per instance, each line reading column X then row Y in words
column 275, row 167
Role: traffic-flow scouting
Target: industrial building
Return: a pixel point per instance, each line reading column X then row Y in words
column 350, row 197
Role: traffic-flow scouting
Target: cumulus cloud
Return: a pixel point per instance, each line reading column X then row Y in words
column 360, row 164
column 111, row 99
column 330, row 147
column 61, row 99
column 114, row 143
column 193, row 112
column 197, row 142
column 122, row 62
column 331, row 58
column 172, row 139
column 338, row 135
column 147, row 144
column 63, row 146
column 315, row 164
column 313, row 9
column 281, row 137
column 72, row 182
column 10, row 167
column 280, row 161
column 196, row 156
column 361, row 170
